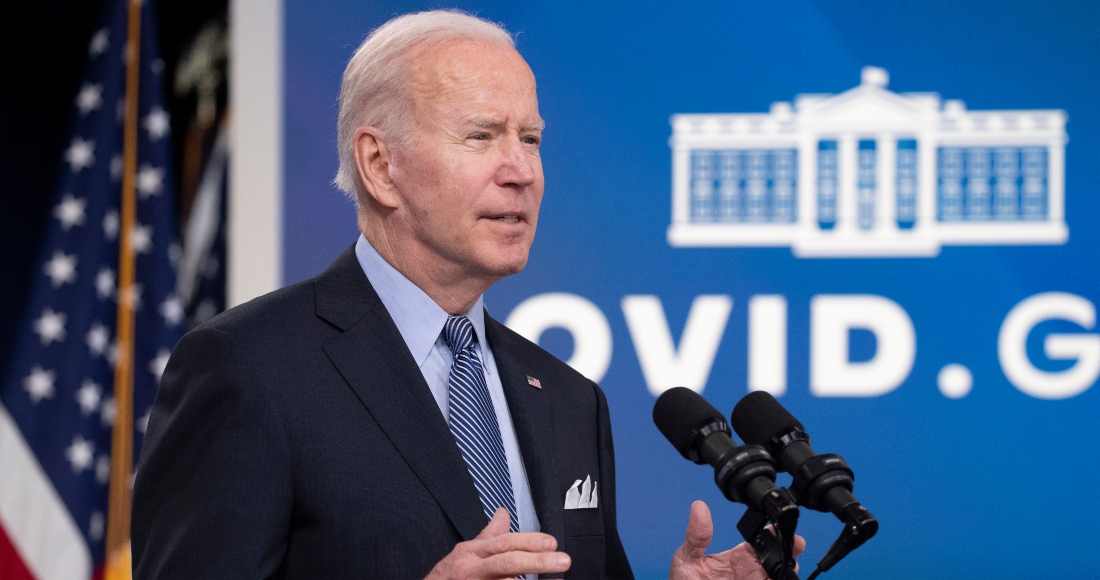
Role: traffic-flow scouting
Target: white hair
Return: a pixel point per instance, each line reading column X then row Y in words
column 374, row 89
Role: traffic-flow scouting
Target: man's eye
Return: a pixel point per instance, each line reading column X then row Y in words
column 532, row 140
column 480, row 136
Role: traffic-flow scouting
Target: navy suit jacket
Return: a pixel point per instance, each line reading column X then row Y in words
column 295, row 437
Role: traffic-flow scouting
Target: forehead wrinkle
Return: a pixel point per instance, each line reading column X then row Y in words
column 438, row 72
column 485, row 122
column 431, row 83
column 493, row 123
column 434, row 74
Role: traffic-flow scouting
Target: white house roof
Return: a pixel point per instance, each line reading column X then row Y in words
column 871, row 108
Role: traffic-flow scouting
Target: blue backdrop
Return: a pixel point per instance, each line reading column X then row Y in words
column 983, row 470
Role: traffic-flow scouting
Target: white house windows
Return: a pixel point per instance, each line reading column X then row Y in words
column 866, row 174
column 950, row 184
column 702, row 187
column 729, row 188
column 784, row 170
column 906, row 185
column 1034, row 182
column 826, row 184
column 1006, row 189
column 756, row 186
column 743, row 185
column 978, row 184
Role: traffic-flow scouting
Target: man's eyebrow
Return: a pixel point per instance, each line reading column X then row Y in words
column 536, row 126
column 486, row 123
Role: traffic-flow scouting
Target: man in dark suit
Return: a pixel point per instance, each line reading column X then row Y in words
column 374, row 422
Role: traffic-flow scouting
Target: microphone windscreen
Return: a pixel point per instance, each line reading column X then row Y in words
column 758, row 417
column 679, row 412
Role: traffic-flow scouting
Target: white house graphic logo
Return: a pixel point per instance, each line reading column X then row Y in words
column 868, row 172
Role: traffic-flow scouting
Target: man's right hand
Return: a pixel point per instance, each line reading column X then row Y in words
column 496, row 554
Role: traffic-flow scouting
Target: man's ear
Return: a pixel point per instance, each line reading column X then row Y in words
column 372, row 160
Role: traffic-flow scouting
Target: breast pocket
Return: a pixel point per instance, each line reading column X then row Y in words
column 584, row 522
column 586, row 552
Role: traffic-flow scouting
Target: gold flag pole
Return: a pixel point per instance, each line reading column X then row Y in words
column 122, row 436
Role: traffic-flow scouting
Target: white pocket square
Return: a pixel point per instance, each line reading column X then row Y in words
column 582, row 496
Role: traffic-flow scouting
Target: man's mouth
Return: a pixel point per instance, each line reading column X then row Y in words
column 508, row 219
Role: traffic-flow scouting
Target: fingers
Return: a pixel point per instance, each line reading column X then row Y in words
column 700, row 530
column 508, row 555
column 799, row 542
column 513, row 563
column 497, row 554
column 497, row 526
column 690, row 560
column 522, row 541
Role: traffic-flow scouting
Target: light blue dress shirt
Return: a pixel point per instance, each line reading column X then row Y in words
column 420, row 321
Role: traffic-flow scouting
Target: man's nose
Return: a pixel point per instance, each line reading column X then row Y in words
column 518, row 164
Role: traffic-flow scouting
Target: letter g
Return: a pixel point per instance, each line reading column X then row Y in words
column 1082, row 348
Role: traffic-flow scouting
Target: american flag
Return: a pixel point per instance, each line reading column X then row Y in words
column 56, row 405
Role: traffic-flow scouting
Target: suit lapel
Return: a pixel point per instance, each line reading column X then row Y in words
column 372, row 357
column 532, row 413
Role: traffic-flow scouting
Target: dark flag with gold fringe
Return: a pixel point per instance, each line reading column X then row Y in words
column 101, row 320
column 200, row 103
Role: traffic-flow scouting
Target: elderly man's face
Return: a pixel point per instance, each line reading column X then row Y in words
column 471, row 180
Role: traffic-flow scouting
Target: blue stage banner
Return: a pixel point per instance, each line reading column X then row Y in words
column 884, row 213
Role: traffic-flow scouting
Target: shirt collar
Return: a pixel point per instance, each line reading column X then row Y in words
column 419, row 319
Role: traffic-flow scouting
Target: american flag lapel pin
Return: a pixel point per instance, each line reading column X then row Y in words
column 533, row 382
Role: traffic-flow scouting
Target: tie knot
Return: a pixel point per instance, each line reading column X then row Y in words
column 459, row 334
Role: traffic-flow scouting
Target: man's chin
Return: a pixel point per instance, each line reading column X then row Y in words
column 506, row 266
column 511, row 269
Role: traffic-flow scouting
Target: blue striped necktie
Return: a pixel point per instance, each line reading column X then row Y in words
column 474, row 422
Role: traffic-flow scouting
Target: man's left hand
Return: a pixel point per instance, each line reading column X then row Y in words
column 690, row 561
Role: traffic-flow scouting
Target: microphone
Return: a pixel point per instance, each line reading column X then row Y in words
column 820, row 482
column 744, row 473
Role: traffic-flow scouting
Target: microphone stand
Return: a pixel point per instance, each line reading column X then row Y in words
column 774, row 549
